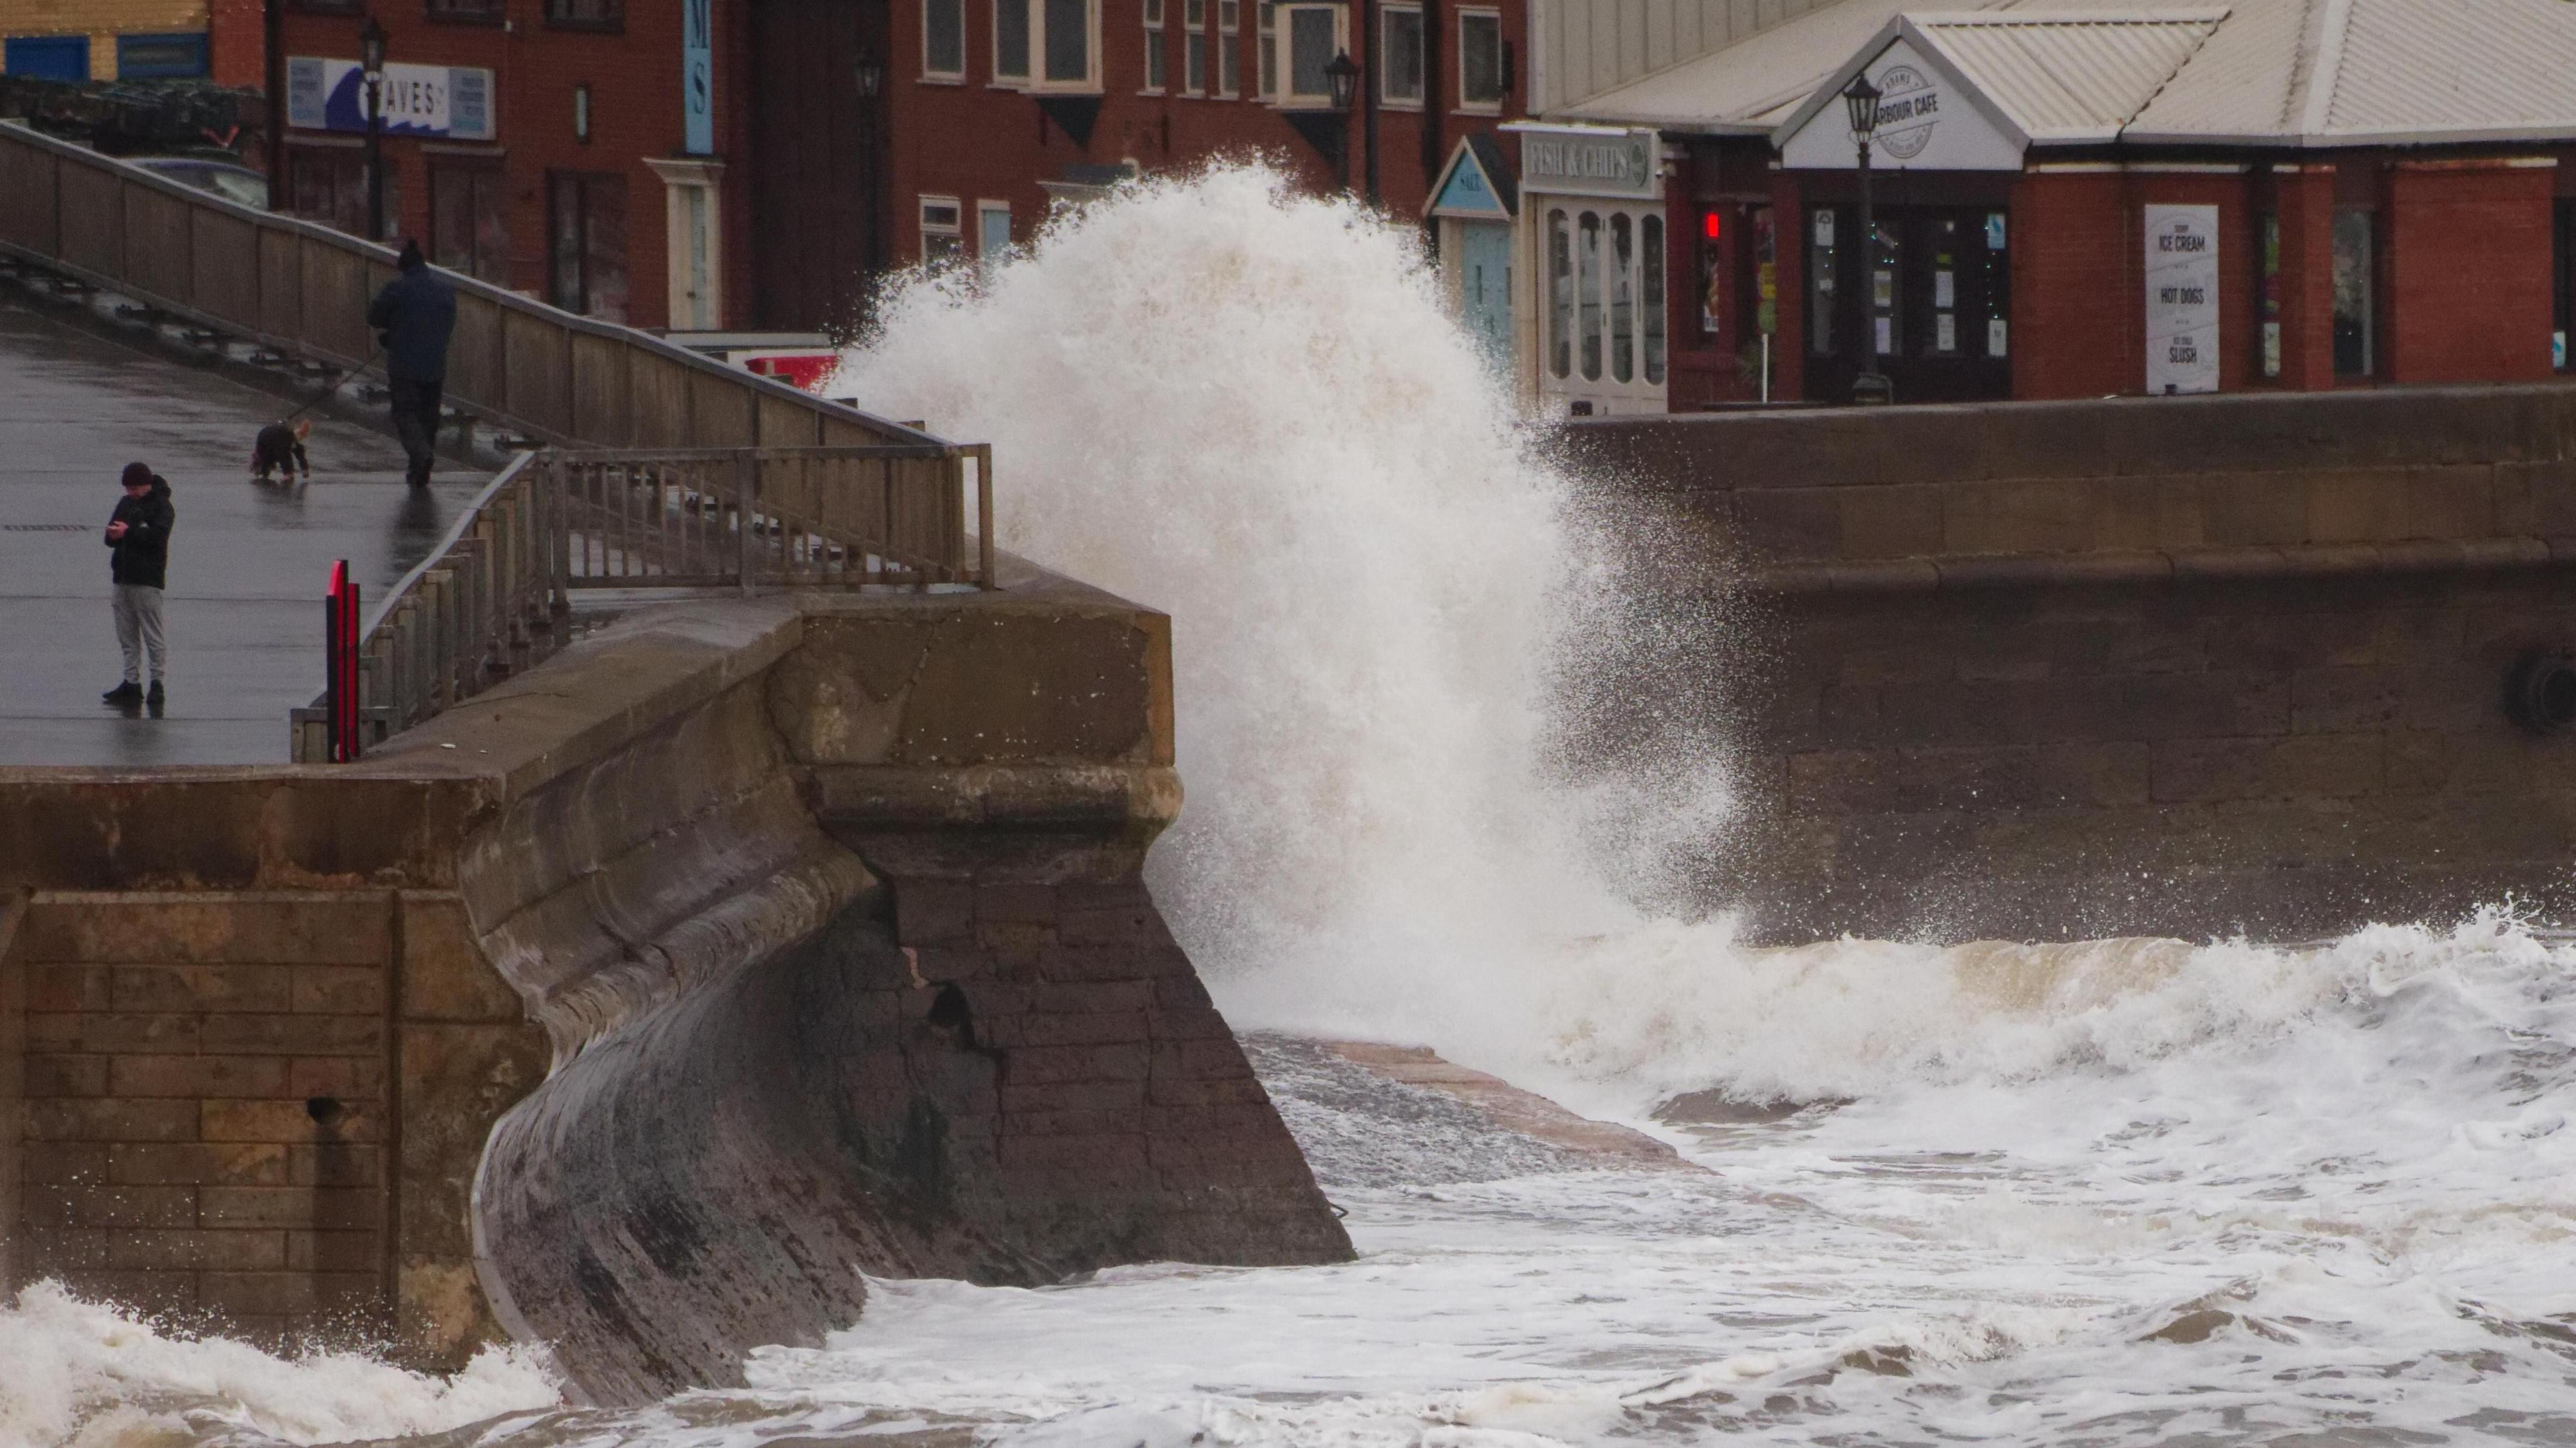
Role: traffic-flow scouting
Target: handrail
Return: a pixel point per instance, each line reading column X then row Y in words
column 465, row 520
column 518, row 363
column 495, row 595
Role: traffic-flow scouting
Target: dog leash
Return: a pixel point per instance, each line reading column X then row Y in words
column 343, row 380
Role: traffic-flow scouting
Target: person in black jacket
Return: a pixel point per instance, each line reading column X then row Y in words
column 414, row 316
column 138, row 539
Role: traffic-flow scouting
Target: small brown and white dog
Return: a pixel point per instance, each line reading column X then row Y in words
column 281, row 445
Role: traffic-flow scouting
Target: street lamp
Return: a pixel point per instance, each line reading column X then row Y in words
column 868, row 76
column 1860, row 102
column 371, row 59
column 1343, row 78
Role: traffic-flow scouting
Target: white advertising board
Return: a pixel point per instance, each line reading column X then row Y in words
column 439, row 101
column 1925, row 123
column 2182, row 299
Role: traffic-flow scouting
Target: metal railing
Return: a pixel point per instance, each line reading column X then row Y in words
column 495, row 596
column 819, row 517
column 519, row 364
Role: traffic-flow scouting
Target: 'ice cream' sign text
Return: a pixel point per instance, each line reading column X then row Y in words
column 2182, row 299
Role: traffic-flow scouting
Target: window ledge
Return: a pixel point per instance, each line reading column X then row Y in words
column 594, row 27
column 1396, row 105
column 957, row 80
column 1006, row 84
column 492, row 21
column 1495, row 109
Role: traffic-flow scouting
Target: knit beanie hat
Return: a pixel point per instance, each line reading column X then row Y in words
column 138, row 475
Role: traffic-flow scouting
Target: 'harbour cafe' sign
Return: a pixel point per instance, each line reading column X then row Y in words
column 1589, row 161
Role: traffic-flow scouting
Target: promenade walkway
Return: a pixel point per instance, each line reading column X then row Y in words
column 247, row 562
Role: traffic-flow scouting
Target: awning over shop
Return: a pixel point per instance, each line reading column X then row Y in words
column 1477, row 184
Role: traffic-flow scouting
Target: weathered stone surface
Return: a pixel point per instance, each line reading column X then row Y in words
column 2169, row 666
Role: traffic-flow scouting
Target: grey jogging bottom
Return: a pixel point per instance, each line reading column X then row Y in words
column 138, row 627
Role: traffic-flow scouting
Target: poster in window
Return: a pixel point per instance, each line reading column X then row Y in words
column 1996, row 335
column 1886, row 336
column 2182, row 299
column 1945, row 289
column 1945, row 332
column 1883, row 288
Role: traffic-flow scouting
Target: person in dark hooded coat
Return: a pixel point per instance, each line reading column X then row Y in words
column 414, row 316
column 138, row 535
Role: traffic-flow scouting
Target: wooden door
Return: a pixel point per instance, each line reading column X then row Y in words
column 817, row 162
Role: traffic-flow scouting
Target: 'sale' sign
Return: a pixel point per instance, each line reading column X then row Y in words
column 2182, row 299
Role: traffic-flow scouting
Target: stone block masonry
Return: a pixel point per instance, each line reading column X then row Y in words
column 214, row 1092
column 205, row 1102
column 2156, row 666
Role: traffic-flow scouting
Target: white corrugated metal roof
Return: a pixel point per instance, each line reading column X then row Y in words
column 2272, row 72
column 2493, row 65
column 1746, row 87
column 2066, row 75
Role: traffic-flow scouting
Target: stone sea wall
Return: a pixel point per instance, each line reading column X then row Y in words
column 2171, row 666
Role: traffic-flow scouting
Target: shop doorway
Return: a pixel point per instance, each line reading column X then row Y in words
column 1485, row 285
column 1934, row 305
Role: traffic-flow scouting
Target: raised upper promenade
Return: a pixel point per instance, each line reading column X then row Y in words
column 247, row 563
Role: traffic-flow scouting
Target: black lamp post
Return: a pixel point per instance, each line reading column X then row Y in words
column 1343, row 76
column 1860, row 101
column 371, row 59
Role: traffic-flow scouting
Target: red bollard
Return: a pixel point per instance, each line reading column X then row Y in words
column 340, row 669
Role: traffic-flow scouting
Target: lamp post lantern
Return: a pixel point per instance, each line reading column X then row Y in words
column 1860, row 102
column 1343, row 76
column 371, row 59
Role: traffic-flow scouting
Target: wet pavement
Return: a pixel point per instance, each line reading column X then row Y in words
column 248, row 561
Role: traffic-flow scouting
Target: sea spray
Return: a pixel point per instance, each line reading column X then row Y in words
column 1251, row 410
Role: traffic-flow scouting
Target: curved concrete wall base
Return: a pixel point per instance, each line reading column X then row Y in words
column 849, row 971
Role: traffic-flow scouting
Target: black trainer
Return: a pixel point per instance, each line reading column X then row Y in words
column 128, row 692
column 153, row 695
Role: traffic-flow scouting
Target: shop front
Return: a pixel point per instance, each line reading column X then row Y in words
column 1926, row 300
column 1592, row 219
column 1474, row 203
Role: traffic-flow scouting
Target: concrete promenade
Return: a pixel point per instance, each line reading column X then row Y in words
column 247, row 562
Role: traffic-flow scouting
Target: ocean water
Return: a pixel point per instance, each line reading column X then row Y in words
column 2116, row 1192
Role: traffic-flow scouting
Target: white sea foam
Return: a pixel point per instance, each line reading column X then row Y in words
column 79, row 1373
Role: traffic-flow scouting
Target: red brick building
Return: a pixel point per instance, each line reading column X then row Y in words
column 995, row 110
column 703, row 165
column 2084, row 200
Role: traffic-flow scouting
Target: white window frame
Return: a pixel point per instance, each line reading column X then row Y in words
column 984, row 211
column 1502, row 42
column 1288, row 98
column 1011, row 79
column 1158, row 54
column 953, row 229
column 1648, row 377
column 929, row 74
column 1387, row 99
column 680, row 181
column 1265, row 77
column 1194, row 47
column 1229, row 48
column 1039, row 84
